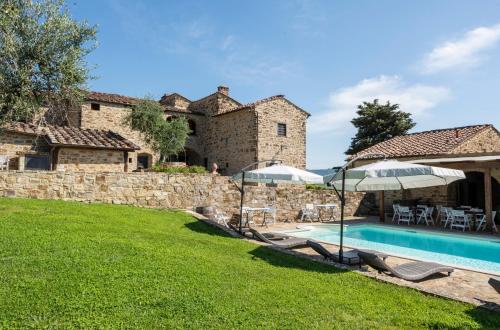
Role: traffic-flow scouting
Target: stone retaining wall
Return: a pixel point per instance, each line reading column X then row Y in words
column 159, row 190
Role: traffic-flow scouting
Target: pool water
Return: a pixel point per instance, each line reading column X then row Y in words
column 466, row 252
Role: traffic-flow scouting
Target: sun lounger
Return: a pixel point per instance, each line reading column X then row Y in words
column 412, row 271
column 287, row 243
column 495, row 284
column 350, row 257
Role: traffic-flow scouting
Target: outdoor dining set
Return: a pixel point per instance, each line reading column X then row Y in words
column 461, row 218
column 310, row 212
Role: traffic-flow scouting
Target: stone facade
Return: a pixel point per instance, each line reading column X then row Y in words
column 226, row 132
column 290, row 148
column 161, row 190
column 110, row 116
column 15, row 145
column 485, row 142
column 90, row 160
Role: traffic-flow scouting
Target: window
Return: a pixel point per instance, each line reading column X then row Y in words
column 281, row 129
column 95, row 106
column 192, row 127
column 143, row 161
column 37, row 162
column 170, row 118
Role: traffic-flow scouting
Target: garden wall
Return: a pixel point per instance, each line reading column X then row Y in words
column 160, row 190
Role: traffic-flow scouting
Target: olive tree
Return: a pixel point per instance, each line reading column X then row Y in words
column 42, row 60
column 165, row 137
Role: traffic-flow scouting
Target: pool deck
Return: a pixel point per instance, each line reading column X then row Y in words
column 463, row 285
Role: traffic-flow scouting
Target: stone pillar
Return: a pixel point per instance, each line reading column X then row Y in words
column 21, row 162
column 488, row 198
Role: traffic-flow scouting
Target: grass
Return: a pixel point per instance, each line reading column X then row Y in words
column 71, row 265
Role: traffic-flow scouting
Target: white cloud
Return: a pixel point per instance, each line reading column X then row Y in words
column 342, row 104
column 461, row 53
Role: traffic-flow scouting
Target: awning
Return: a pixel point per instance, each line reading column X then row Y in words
column 455, row 159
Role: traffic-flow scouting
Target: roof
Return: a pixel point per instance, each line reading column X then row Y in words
column 435, row 142
column 169, row 108
column 70, row 136
column 111, row 98
column 259, row 102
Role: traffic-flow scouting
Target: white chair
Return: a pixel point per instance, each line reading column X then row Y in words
column 272, row 216
column 460, row 220
column 482, row 222
column 421, row 213
column 4, row 163
column 428, row 215
column 395, row 208
column 221, row 218
column 405, row 215
column 249, row 215
column 309, row 212
column 439, row 213
column 446, row 216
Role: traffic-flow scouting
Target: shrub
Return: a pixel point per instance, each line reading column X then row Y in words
column 180, row 169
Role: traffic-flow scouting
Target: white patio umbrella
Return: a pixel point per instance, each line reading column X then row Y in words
column 396, row 175
column 388, row 175
column 276, row 173
column 280, row 173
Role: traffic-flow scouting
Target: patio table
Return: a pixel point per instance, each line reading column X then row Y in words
column 326, row 207
column 250, row 210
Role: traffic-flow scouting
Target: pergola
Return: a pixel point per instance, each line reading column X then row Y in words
column 488, row 165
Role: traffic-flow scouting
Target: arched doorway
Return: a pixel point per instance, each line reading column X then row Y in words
column 188, row 156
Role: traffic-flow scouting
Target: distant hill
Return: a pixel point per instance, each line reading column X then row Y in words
column 325, row 171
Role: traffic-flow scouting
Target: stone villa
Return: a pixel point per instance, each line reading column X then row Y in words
column 224, row 131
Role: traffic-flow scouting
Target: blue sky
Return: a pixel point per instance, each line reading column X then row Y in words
column 440, row 60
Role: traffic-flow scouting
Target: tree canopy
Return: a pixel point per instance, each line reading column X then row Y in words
column 376, row 123
column 165, row 137
column 42, row 51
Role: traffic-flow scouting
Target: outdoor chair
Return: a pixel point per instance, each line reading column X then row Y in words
column 495, row 284
column 446, row 216
column 269, row 216
column 4, row 163
column 460, row 220
column 405, row 215
column 421, row 213
column 221, row 218
column 439, row 212
column 309, row 212
column 411, row 271
column 428, row 216
column 482, row 222
column 395, row 208
column 286, row 243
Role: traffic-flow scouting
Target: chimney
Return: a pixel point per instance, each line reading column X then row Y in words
column 223, row 90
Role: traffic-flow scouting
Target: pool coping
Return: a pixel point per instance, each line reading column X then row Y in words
column 303, row 228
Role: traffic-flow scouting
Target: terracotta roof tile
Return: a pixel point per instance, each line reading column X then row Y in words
column 111, row 98
column 75, row 137
column 253, row 104
column 435, row 142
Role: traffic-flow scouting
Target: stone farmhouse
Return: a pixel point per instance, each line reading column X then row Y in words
column 224, row 132
column 473, row 149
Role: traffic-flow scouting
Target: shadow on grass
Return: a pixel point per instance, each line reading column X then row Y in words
column 483, row 317
column 296, row 260
column 205, row 228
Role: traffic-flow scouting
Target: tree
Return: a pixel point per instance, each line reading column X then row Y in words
column 376, row 123
column 42, row 66
column 165, row 137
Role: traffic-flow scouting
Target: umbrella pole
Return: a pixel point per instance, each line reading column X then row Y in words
column 241, row 200
column 342, row 204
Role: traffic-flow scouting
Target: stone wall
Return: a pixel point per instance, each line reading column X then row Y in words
column 161, row 190
column 110, row 117
column 15, row 145
column 90, row 160
column 231, row 140
column 487, row 141
column 290, row 148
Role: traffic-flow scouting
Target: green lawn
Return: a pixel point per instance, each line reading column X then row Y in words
column 68, row 265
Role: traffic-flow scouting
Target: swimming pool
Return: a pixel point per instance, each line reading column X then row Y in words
column 474, row 252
